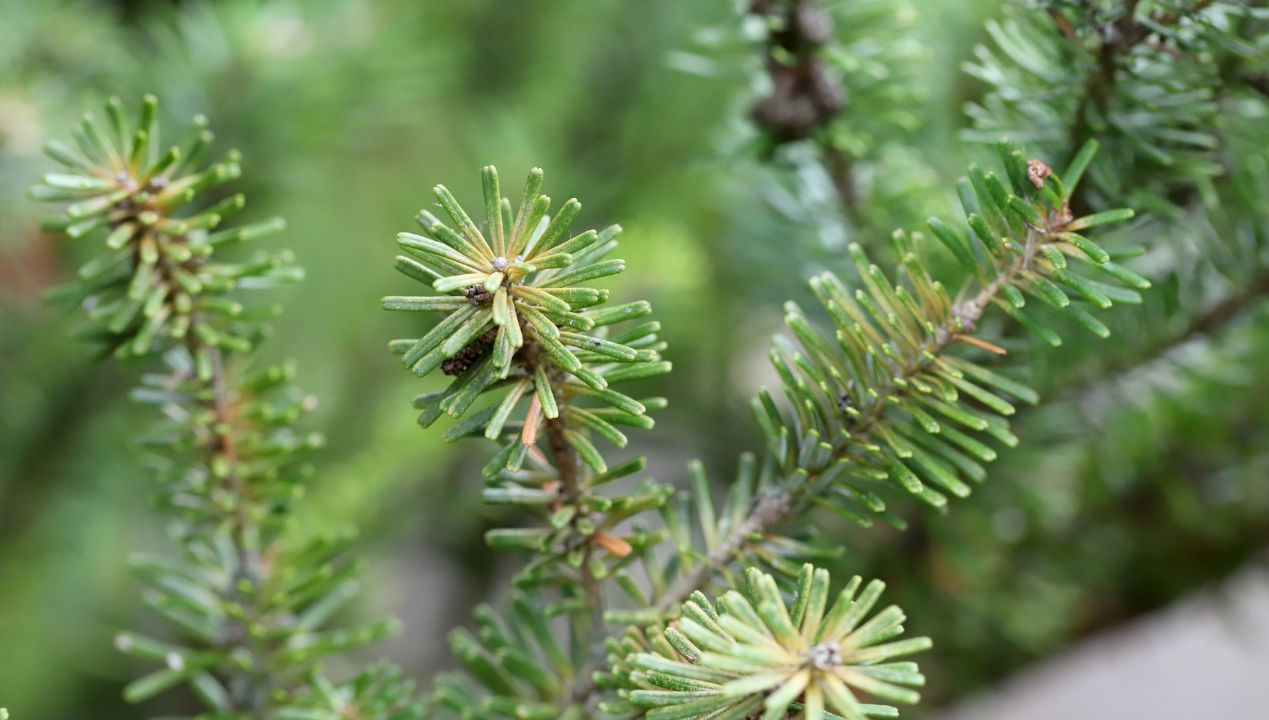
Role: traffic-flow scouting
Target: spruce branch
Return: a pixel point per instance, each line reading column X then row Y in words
column 1143, row 78
column 519, row 328
column 1208, row 255
column 876, row 407
column 1215, row 261
column 1191, row 45
column 555, row 352
column 517, row 318
column 892, row 419
column 766, row 513
column 253, row 607
column 1130, row 463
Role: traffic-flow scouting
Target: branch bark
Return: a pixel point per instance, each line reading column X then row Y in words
column 250, row 691
column 568, row 465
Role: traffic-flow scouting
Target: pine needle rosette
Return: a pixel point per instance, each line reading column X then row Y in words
column 516, row 278
column 751, row 654
column 517, row 319
column 158, row 283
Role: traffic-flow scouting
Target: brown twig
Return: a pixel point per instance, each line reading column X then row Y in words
column 249, row 692
column 567, row 465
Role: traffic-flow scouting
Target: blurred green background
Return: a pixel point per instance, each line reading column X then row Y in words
column 348, row 111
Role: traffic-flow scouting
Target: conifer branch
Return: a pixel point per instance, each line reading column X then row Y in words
column 750, row 651
column 781, row 503
column 847, row 420
column 1125, row 58
column 520, row 330
column 851, row 422
column 885, row 404
column 882, row 405
column 1195, row 42
column 766, row 513
column 252, row 604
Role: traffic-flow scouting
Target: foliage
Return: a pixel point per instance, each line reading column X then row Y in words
column 878, row 406
column 253, row 608
column 1135, row 480
column 517, row 322
column 379, row 691
column 329, row 105
column 747, row 652
column 515, row 294
column 1143, row 77
column 1125, row 420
